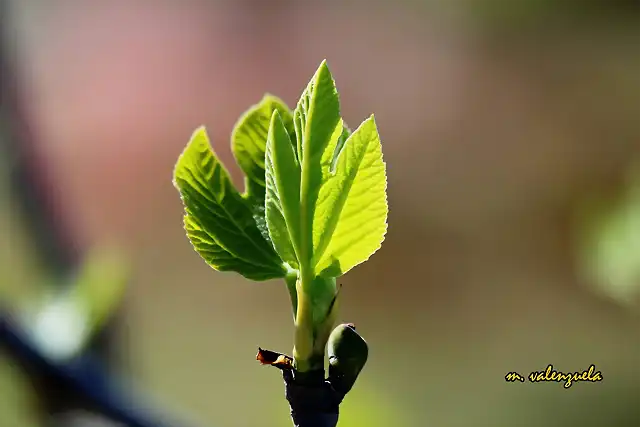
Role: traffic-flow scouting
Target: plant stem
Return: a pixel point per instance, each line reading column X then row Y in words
column 304, row 332
column 315, row 317
column 84, row 376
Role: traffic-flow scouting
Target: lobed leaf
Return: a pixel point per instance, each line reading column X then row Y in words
column 342, row 216
column 249, row 140
column 218, row 220
column 315, row 193
column 248, row 144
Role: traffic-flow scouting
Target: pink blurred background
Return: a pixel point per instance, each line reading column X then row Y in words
column 498, row 120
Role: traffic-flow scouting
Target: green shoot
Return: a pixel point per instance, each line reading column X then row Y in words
column 314, row 204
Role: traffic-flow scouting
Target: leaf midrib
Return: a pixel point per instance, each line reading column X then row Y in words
column 306, row 232
column 216, row 242
column 293, row 237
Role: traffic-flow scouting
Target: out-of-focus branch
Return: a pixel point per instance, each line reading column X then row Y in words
column 84, row 375
column 85, row 381
column 28, row 172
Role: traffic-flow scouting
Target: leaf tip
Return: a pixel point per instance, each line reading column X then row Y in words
column 323, row 72
column 199, row 135
column 200, row 129
column 270, row 99
column 372, row 119
column 275, row 116
column 268, row 102
column 276, row 126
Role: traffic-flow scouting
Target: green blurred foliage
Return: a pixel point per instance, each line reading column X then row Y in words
column 369, row 406
column 505, row 13
column 610, row 241
column 67, row 317
column 175, row 335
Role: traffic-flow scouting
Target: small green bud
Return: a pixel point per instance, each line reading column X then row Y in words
column 348, row 353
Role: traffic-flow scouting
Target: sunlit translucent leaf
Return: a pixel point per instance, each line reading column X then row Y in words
column 341, row 219
column 249, row 139
column 350, row 219
column 219, row 222
column 318, row 129
column 248, row 143
column 283, row 192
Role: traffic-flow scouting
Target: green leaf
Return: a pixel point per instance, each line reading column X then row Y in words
column 350, row 219
column 220, row 222
column 318, row 127
column 248, row 144
column 249, row 139
column 282, row 192
column 340, row 217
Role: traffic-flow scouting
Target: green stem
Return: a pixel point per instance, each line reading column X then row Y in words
column 304, row 336
column 315, row 317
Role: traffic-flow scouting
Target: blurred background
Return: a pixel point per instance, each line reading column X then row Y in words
column 511, row 132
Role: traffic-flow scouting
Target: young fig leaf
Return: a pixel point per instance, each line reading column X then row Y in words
column 341, row 219
column 350, row 219
column 248, row 144
column 249, row 140
column 318, row 127
column 282, row 192
column 219, row 222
